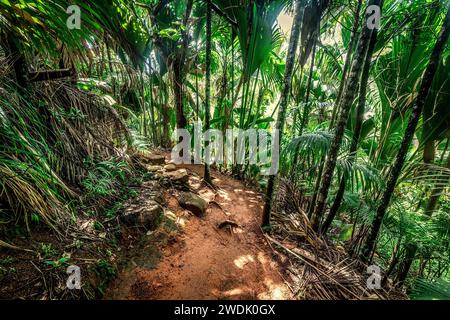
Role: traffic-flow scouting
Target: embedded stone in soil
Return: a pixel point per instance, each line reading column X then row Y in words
column 203, row 262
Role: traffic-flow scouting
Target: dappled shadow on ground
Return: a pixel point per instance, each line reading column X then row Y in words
column 205, row 262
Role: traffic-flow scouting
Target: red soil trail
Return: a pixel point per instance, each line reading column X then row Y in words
column 203, row 262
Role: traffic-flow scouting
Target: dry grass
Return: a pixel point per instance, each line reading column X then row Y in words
column 47, row 133
column 318, row 269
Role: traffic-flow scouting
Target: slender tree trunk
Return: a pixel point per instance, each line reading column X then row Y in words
column 178, row 72
column 165, row 115
column 290, row 61
column 144, row 109
column 360, row 109
column 348, row 61
column 422, row 266
column 305, row 118
column 178, row 94
column 346, row 104
column 405, row 266
column 229, row 114
column 316, row 187
column 152, row 107
column 252, row 100
column 393, row 263
column 409, row 134
column 247, row 54
column 307, row 109
column 197, row 102
column 19, row 63
column 108, row 52
column 347, row 64
column 208, row 82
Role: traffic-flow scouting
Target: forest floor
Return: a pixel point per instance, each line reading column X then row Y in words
column 147, row 245
column 203, row 261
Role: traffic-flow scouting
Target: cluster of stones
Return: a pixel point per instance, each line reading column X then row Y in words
column 147, row 210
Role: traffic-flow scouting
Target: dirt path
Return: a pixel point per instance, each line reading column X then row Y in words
column 203, row 262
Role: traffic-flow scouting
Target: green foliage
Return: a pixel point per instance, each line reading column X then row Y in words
column 46, row 250
column 6, row 266
column 431, row 290
column 105, row 272
column 256, row 49
column 105, row 178
column 61, row 262
column 57, row 137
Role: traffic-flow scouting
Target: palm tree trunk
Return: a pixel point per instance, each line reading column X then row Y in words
column 290, row 61
column 165, row 114
column 178, row 94
column 393, row 263
column 197, row 102
column 405, row 266
column 356, row 133
column 207, row 176
column 409, row 134
column 347, row 64
column 305, row 118
column 348, row 61
column 346, row 104
column 307, row 109
column 152, row 107
column 178, row 73
column 229, row 109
